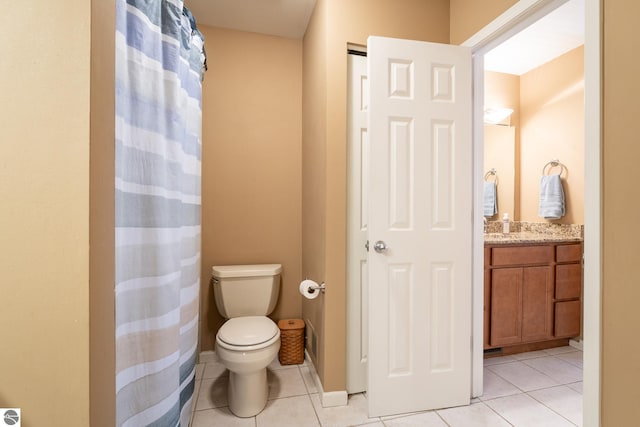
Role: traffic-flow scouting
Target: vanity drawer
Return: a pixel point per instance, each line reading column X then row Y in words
column 522, row 255
column 568, row 281
column 569, row 253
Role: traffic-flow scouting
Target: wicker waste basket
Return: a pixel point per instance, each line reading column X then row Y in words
column 291, row 341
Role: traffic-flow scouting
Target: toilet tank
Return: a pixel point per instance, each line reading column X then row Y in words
column 246, row 290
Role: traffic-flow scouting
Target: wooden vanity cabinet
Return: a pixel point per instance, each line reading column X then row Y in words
column 568, row 291
column 521, row 289
column 487, row 295
column 532, row 293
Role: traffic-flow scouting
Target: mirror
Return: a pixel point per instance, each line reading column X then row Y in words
column 499, row 154
column 502, row 91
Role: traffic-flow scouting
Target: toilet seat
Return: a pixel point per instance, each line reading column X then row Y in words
column 248, row 333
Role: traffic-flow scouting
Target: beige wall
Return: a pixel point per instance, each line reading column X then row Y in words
column 502, row 143
column 314, row 172
column 251, row 163
column 347, row 22
column 552, row 127
column 44, row 219
column 101, row 219
column 620, row 315
column 467, row 17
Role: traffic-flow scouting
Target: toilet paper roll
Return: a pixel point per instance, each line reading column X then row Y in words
column 309, row 289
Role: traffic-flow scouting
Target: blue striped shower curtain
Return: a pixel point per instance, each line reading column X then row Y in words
column 159, row 66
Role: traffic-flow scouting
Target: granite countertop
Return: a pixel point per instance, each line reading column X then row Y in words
column 526, row 232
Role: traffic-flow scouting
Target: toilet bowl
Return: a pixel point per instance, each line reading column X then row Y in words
column 248, row 341
column 246, row 346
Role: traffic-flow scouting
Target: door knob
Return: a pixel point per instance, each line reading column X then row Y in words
column 380, row 246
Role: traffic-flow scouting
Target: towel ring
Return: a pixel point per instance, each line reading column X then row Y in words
column 553, row 164
column 490, row 173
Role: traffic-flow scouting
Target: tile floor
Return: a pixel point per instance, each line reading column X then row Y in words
column 541, row 388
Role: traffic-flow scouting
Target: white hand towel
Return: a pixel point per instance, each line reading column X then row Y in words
column 490, row 200
column 551, row 197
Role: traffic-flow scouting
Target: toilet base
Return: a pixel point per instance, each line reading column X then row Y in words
column 247, row 393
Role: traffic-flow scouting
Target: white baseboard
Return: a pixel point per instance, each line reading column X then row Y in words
column 327, row 398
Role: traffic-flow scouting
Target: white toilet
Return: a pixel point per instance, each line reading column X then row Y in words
column 249, row 340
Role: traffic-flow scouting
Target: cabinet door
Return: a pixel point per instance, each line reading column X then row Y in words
column 487, row 306
column 537, row 303
column 506, row 306
column 567, row 322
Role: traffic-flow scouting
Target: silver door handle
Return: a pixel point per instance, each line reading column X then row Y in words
column 380, row 246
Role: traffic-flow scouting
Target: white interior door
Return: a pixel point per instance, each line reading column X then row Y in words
column 358, row 171
column 420, row 207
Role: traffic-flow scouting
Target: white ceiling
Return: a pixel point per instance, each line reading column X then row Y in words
column 557, row 33
column 284, row 18
column 550, row 37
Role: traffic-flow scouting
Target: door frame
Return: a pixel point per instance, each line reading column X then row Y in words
column 518, row 17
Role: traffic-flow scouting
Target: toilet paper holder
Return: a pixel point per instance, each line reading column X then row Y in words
column 310, row 289
column 319, row 287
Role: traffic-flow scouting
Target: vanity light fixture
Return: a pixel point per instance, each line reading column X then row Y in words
column 497, row 116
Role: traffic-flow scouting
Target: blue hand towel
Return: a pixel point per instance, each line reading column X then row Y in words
column 551, row 197
column 490, row 200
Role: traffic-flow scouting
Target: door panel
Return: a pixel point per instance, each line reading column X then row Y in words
column 420, row 206
column 400, row 173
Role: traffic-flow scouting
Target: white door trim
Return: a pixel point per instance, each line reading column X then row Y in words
column 592, row 213
column 513, row 20
column 519, row 16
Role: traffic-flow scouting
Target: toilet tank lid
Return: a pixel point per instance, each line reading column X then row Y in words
column 253, row 270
